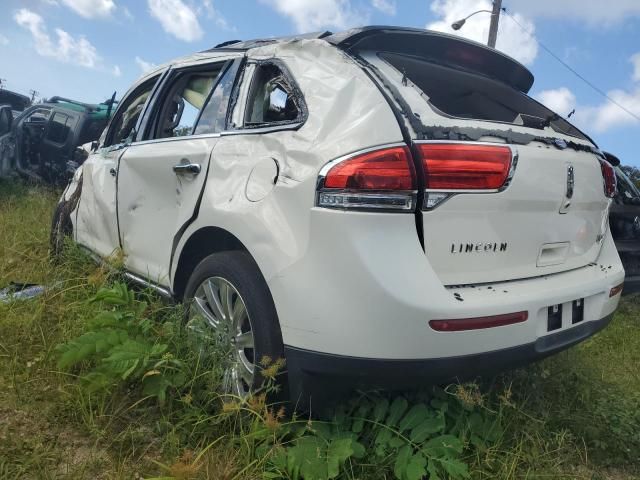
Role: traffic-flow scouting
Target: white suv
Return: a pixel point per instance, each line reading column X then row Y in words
column 384, row 204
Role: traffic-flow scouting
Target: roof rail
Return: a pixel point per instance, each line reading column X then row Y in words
column 257, row 42
column 227, row 43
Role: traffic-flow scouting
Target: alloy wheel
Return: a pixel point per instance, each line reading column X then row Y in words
column 219, row 319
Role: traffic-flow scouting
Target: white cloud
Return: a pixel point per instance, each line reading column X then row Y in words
column 144, row 65
column 605, row 116
column 176, row 18
column 594, row 12
column 91, row 8
column 635, row 61
column 65, row 47
column 385, row 6
column 608, row 115
column 3, row 40
column 310, row 15
column 511, row 39
column 560, row 100
column 126, row 13
column 215, row 15
column 116, row 71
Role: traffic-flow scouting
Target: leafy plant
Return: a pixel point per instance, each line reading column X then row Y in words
column 427, row 438
column 121, row 344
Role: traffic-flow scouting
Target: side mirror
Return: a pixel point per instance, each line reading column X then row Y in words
column 6, row 119
column 94, row 146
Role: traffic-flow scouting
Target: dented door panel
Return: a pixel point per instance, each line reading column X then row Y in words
column 154, row 201
column 96, row 225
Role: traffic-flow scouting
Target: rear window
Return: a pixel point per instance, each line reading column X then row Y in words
column 457, row 93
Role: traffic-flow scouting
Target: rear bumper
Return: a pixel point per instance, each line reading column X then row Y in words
column 365, row 289
column 308, row 368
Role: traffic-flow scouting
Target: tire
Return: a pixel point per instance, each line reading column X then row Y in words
column 238, row 270
column 61, row 228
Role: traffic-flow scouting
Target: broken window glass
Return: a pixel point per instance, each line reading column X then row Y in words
column 214, row 115
column 184, row 102
column 455, row 92
column 126, row 118
column 271, row 99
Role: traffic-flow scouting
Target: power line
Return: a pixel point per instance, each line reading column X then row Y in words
column 571, row 69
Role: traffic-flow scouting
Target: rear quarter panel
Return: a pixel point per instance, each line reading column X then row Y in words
column 346, row 113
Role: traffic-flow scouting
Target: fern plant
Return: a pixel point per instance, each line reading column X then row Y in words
column 122, row 345
column 427, row 439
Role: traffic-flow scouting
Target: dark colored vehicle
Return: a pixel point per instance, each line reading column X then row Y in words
column 43, row 141
column 17, row 101
column 624, row 220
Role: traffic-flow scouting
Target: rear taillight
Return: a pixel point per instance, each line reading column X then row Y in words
column 458, row 167
column 609, row 177
column 465, row 167
column 379, row 179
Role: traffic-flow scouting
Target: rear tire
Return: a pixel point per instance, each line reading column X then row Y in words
column 227, row 297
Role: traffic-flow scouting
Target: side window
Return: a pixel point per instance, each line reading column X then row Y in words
column 214, row 115
column 127, row 115
column 38, row 115
column 185, row 99
column 271, row 98
column 59, row 127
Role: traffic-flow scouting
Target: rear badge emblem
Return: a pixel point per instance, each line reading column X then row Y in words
column 571, row 181
column 478, row 247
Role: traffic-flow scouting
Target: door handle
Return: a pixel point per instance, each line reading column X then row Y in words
column 182, row 168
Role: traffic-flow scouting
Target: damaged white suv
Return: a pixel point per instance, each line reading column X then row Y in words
column 385, row 205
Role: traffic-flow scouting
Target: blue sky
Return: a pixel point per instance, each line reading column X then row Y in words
column 86, row 49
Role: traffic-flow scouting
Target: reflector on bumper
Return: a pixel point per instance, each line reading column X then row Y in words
column 477, row 323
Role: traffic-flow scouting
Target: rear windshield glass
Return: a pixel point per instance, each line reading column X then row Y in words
column 458, row 93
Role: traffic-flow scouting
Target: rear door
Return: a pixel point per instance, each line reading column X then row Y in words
column 161, row 178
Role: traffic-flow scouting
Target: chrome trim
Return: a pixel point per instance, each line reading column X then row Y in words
column 327, row 166
column 175, row 139
column 146, row 283
column 131, row 276
column 275, row 128
column 570, row 181
column 406, row 194
column 410, row 195
column 512, row 169
column 187, row 168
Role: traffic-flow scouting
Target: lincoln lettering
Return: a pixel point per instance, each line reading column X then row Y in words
column 478, row 247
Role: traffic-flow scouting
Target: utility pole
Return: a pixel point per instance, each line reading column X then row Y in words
column 495, row 20
column 33, row 94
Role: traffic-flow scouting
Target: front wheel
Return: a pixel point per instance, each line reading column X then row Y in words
column 230, row 310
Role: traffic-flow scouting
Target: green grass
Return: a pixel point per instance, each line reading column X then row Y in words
column 575, row 415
